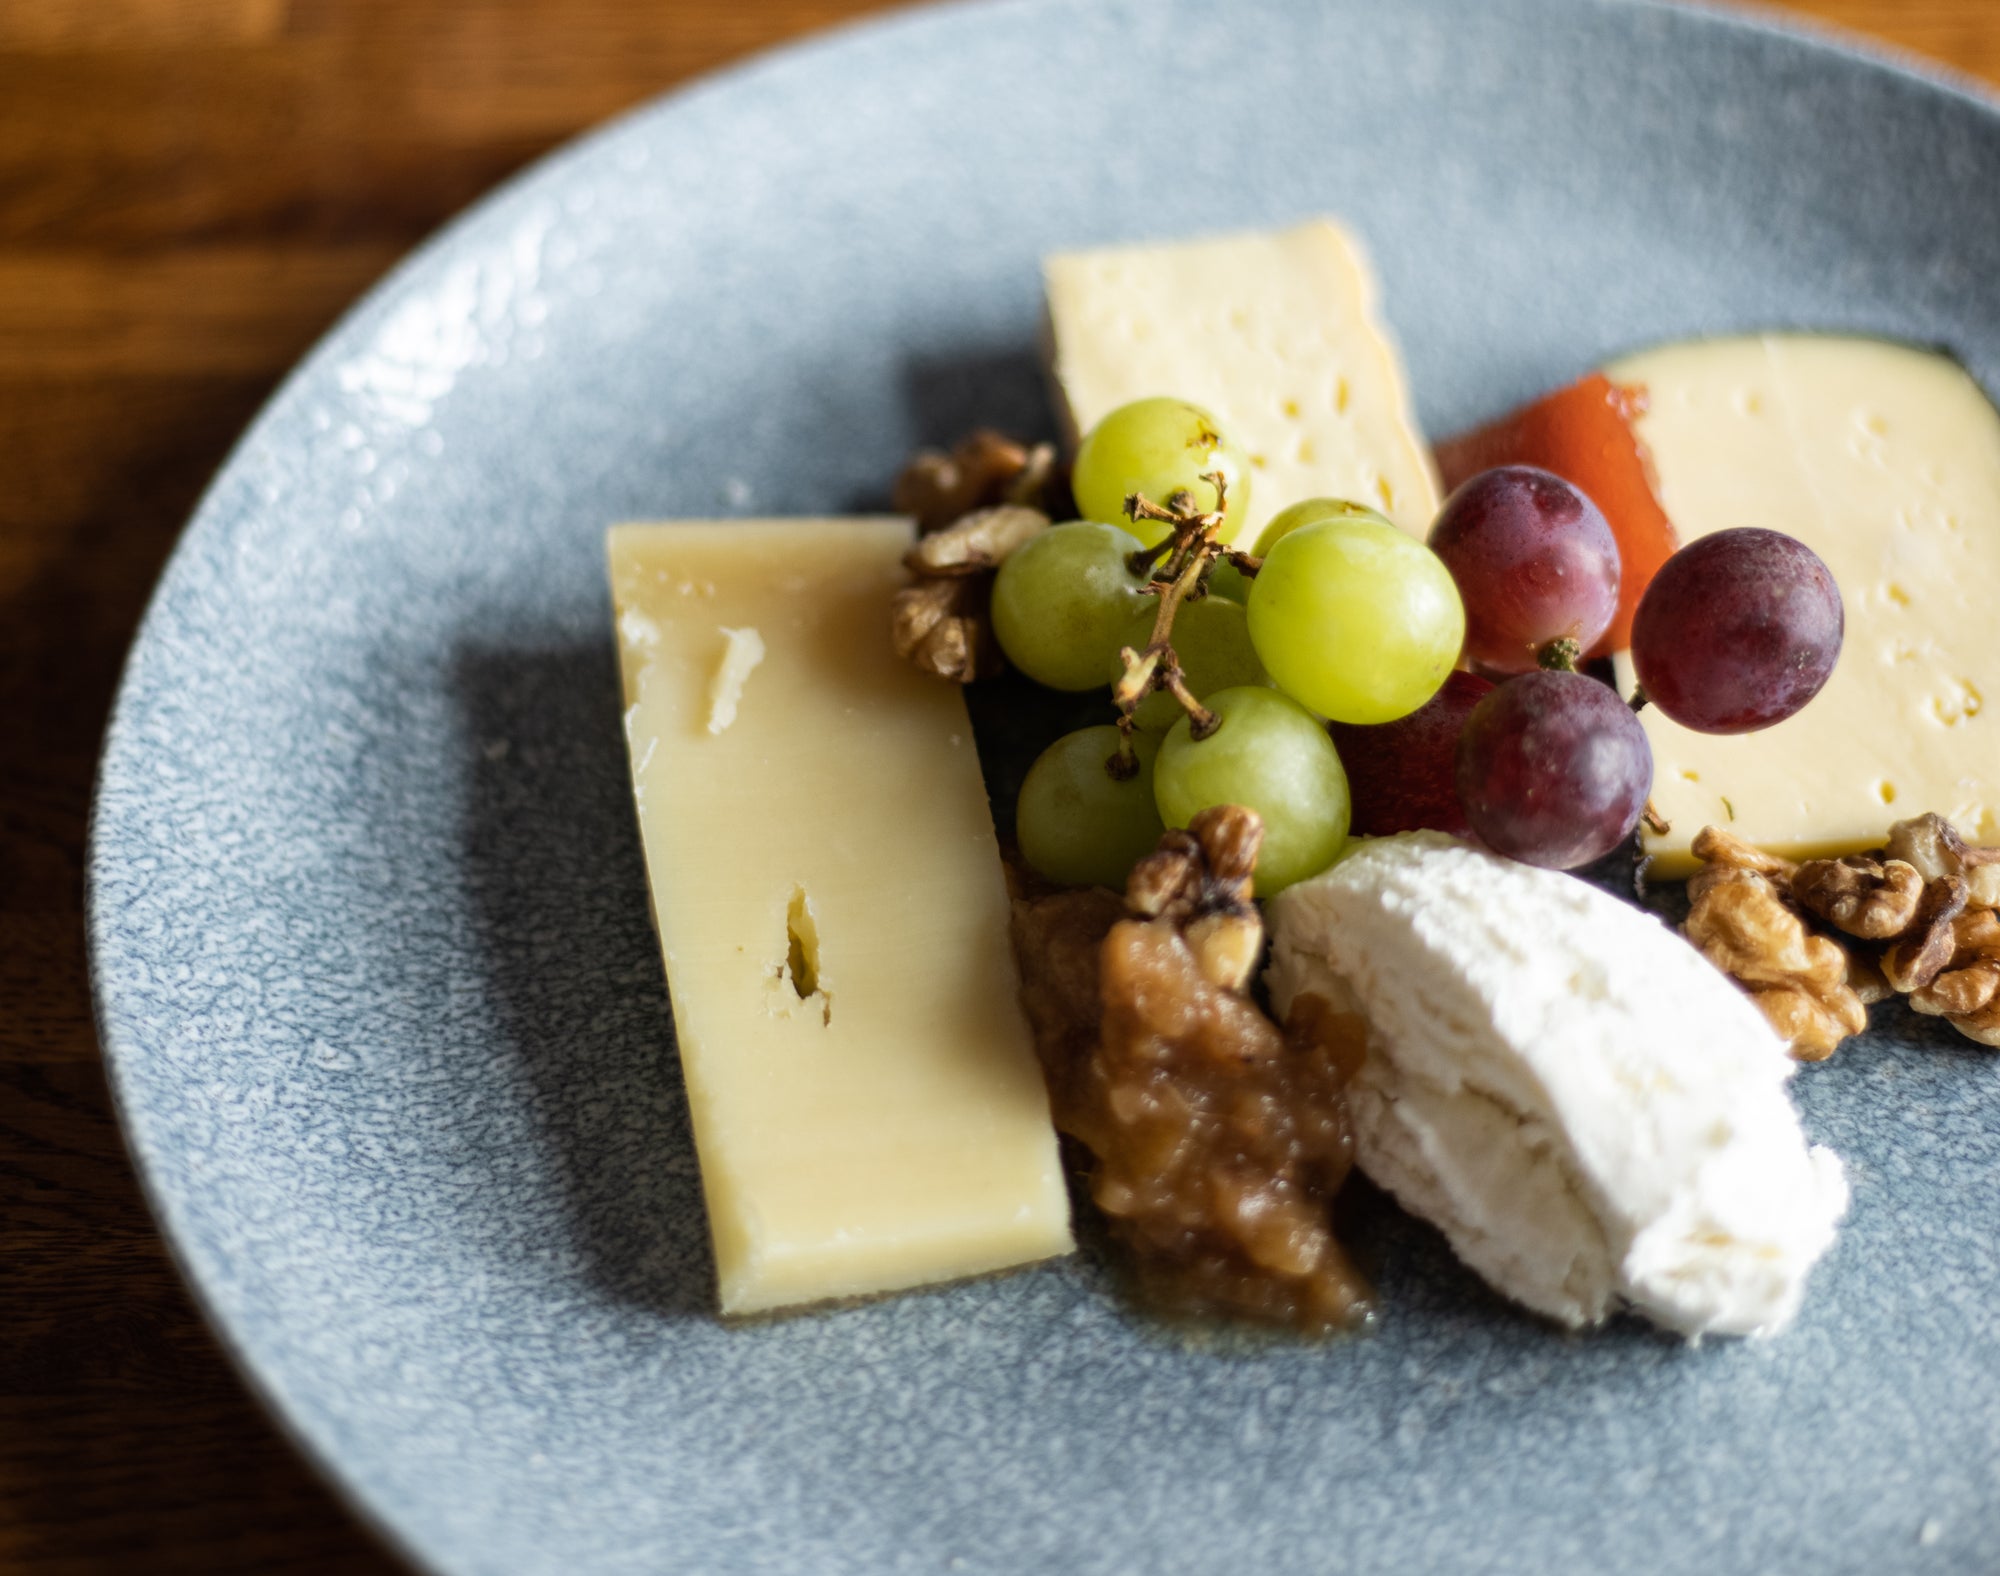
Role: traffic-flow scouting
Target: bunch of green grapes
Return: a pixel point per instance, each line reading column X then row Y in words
column 1347, row 619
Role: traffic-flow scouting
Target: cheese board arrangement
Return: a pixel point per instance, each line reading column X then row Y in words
column 1167, row 738
column 1589, row 1108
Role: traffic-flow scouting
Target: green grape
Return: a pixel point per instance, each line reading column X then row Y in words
column 1079, row 825
column 1157, row 447
column 1227, row 581
column 1311, row 511
column 1271, row 755
column 1062, row 602
column 1212, row 639
column 1356, row 620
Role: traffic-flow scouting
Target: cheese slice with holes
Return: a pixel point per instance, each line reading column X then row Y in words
column 868, row 1110
column 1277, row 334
column 1885, row 460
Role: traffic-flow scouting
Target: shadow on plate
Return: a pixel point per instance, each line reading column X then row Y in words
column 947, row 395
column 993, row 385
column 555, row 884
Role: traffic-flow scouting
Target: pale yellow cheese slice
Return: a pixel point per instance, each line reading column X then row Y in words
column 1277, row 334
column 868, row 1110
column 1885, row 460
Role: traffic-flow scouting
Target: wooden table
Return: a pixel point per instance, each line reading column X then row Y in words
column 190, row 190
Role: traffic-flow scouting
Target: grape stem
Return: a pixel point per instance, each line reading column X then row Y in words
column 1559, row 655
column 1178, row 566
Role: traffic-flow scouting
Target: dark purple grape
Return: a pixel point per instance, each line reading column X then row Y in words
column 1553, row 770
column 1737, row 631
column 1402, row 775
column 1535, row 562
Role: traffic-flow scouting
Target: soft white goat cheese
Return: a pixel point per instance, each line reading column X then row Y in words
column 1592, row 1114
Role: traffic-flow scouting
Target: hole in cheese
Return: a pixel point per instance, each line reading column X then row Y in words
column 1960, row 701
column 802, row 953
column 1886, row 792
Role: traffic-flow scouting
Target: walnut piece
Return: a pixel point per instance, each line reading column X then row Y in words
column 1201, row 879
column 1719, row 849
column 1871, row 898
column 976, row 543
column 986, row 468
column 1933, row 845
column 1926, row 946
column 1930, row 843
column 942, row 627
column 1920, row 917
column 1966, row 992
column 1741, row 924
column 974, row 507
column 1866, row 979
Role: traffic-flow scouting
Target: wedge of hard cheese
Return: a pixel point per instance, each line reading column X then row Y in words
column 1276, row 334
column 868, row 1110
column 1885, row 460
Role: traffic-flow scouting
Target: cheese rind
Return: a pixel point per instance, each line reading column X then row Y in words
column 867, row 1106
column 1885, row 460
column 1276, row 334
column 1593, row 1115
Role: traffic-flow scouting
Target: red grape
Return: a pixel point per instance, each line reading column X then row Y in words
column 1402, row 773
column 1535, row 562
column 1553, row 769
column 1738, row 630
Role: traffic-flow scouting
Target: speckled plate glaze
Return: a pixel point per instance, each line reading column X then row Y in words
column 383, row 1009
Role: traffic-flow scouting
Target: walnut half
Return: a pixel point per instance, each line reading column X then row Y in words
column 942, row 627
column 1870, row 898
column 1966, row 991
column 985, row 468
column 1919, row 916
column 973, row 507
column 1201, row 879
column 940, row 622
column 1741, row 924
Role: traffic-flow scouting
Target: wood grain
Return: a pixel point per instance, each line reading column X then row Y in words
column 190, row 191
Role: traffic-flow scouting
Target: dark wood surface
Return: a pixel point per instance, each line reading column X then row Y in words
column 190, row 190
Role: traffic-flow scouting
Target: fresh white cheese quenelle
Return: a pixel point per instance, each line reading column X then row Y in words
column 1885, row 460
column 868, row 1110
column 1277, row 334
column 1594, row 1116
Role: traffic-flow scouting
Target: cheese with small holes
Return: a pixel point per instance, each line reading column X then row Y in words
column 1277, row 334
column 1885, row 460
column 868, row 1110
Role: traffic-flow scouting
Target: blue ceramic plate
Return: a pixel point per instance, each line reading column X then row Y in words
column 383, row 1009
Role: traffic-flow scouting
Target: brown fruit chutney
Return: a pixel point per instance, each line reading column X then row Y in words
column 1217, row 1141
